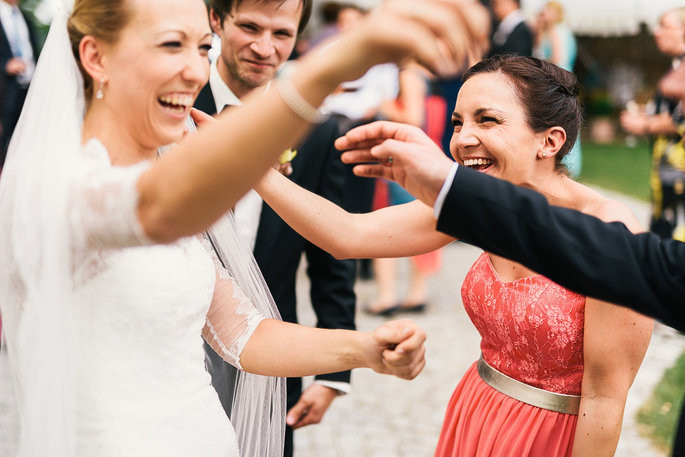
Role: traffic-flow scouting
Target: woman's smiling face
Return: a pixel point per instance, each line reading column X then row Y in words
column 157, row 68
column 491, row 131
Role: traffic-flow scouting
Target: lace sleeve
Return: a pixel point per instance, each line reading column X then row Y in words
column 232, row 318
column 103, row 207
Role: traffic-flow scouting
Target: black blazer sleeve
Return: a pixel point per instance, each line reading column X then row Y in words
column 602, row 260
column 332, row 280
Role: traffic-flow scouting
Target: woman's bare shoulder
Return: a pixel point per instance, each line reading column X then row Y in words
column 610, row 210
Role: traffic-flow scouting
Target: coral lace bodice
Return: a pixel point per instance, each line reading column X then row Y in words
column 532, row 328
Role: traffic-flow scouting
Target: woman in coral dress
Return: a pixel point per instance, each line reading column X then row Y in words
column 556, row 366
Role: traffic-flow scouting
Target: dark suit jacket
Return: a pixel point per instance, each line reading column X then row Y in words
column 278, row 248
column 580, row 252
column 11, row 93
column 519, row 42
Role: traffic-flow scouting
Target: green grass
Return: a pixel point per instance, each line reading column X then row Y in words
column 617, row 167
column 659, row 415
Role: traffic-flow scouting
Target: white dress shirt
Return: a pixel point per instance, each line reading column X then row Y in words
column 507, row 26
column 17, row 33
column 248, row 210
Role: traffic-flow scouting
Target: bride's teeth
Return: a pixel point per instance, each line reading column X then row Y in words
column 177, row 101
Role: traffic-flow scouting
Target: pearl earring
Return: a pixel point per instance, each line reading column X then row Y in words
column 544, row 154
column 100, row 93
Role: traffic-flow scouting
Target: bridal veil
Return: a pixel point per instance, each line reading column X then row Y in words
column 36, row 270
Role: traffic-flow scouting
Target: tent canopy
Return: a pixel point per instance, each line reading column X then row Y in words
column 607, row 17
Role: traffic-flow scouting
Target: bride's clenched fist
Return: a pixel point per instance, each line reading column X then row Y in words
column 396, row 348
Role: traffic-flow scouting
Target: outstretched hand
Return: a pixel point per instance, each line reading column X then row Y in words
column 397, row 152
column 397, row 348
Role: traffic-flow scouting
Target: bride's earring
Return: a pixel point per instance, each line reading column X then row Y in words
column 100, row 94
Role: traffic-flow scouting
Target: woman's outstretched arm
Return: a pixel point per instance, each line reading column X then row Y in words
column 243, row 337
column 397, row 231
column 192, row 185
column 279, row 348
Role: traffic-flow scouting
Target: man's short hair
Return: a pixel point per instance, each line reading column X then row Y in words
column 223, row 8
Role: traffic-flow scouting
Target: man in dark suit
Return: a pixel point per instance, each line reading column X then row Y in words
column 18, row 59
column 512, row 35
column 580, row 252
column 257, row 36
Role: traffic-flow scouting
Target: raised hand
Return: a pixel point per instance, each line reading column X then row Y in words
column 397, row 152
column 396, row 348
column 435, row 33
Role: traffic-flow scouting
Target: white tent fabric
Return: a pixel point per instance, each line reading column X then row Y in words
column 607, row 17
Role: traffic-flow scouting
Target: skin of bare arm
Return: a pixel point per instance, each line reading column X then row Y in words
column 395, row 348
column 173, row 193
column 397, row 231
column 615, row 342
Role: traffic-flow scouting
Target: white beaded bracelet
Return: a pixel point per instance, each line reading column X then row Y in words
column 295, row 101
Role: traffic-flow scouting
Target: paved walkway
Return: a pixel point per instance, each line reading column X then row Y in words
column 389, row 417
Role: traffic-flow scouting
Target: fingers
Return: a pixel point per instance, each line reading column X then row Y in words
column 374, row 171
column 298, row 413
column 446, row 49
column 405, row 365
column 369, row 135
column 311, row 407
column 392, row 333
column 200, row 117
column 405, row 351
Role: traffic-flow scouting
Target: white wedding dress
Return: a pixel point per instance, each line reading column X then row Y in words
column 141, row 309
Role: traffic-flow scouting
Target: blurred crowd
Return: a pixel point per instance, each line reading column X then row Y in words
column 662, row 121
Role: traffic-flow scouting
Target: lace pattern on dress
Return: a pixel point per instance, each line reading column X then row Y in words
column 232, row 318
column 532, row 328
column 104, row 203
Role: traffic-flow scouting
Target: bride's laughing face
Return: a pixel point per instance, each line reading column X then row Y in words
column 491, row 131
column 156, row 69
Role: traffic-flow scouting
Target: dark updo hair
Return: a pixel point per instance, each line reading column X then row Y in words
column 549, row 94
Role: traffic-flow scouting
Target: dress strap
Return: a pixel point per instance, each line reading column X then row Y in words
column 552, row 401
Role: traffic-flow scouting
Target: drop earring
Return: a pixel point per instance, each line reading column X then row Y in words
column 100, row 93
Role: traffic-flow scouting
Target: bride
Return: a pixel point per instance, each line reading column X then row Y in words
column 105, row 285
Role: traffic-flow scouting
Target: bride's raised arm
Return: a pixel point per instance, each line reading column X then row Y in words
column 227, row 158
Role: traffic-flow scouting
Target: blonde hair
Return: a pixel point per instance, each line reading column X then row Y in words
column 101, row 19
column 679, row 13
column 558, row 8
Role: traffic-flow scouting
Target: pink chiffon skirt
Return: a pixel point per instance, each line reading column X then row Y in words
column 482, row 422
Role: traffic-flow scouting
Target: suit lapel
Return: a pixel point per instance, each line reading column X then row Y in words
column 205, row 100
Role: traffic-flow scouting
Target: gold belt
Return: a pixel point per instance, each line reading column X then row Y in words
column 561, row 403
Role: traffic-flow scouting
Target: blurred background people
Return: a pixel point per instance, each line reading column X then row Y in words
column 554, row 42
column 512, row 35
column 667, row 174
column 18, row 53
column 410, row 107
